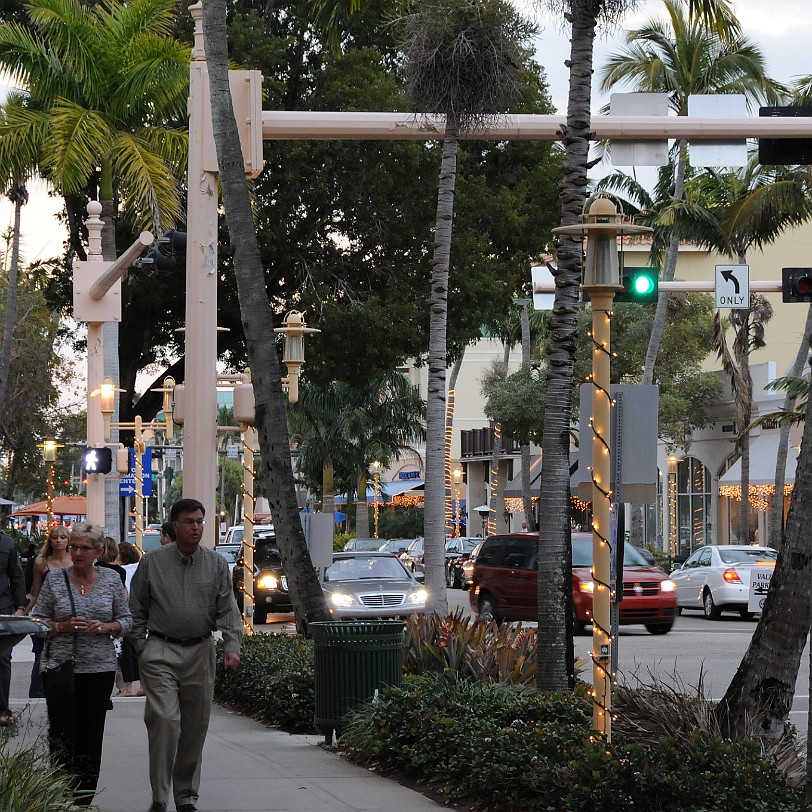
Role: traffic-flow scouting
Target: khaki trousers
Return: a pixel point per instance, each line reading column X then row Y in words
column 179, row 683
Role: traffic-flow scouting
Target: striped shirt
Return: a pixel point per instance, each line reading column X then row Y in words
column 184, row 597
column 105, row 602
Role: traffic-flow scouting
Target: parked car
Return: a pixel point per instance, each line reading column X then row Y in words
column 230, row 552
column 270, row 582
column 716, row 578
column 150, row 540
column 371, row 585
column 468, row 566
column 395, row 546
column 235, row 533
column 505, row 581
column 362, row 545
column 457, row 551
column 414, row 558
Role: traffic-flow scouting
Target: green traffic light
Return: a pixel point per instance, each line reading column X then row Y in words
column 643, row 285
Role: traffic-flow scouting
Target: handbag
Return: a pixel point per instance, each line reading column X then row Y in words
column 58, row 681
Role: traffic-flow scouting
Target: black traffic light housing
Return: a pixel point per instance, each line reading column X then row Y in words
column 796, row 284
column 97, row 460
column 166, row 256
column 639, row 285
column 784, row 151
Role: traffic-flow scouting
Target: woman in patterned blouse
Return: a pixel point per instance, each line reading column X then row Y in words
column 76, row 723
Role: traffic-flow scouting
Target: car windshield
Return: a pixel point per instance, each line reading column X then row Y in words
column 582, row 555
column 362, row 568
column 751, row 555
column 228, row 552
column 266, row 552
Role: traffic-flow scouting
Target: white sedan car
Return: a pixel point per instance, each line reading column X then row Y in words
column 717, row 578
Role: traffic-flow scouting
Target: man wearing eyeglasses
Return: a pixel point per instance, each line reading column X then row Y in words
column 180, row 594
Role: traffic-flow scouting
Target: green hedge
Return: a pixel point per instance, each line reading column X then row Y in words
column 507, row 747
column 274, row 682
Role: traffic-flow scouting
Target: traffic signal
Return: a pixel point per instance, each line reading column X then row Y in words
column 796, row 284
column 784, row 151
column 97, row 460
column 166, row 256
column 639, row 285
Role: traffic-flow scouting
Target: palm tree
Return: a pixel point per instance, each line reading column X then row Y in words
column 683, row 57
column 100, row 83
column 461, row 59
column 271, row 404
column 555, row 659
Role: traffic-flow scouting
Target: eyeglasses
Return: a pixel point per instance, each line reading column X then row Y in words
column 193, row 522
column 80, row 548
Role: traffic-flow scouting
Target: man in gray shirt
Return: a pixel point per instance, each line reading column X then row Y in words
column 12, row 600
column 179, row 595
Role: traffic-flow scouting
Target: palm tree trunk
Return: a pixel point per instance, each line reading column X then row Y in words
column 18, row 196
column 306, row 594
column 328, row 493
column 555, row 662
column 434, row 513
column 362, row 510
column 661, row 311
column 776, row 521
column 763, row 687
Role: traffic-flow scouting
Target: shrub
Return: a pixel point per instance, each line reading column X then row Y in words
column 509, row 747
column 274, row 682
column 469, row 648
column 28, row 782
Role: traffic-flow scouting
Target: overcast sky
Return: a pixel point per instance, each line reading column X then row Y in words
column 783, row 29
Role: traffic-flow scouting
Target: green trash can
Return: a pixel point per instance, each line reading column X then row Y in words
column 353, row 659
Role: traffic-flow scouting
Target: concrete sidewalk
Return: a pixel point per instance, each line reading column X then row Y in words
column 247, row 767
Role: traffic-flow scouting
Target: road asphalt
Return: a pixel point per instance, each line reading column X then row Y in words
column 247, row 766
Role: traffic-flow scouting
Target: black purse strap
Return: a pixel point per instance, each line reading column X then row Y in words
column 73, row 614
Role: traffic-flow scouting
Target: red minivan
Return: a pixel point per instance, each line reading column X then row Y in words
column 505, row 578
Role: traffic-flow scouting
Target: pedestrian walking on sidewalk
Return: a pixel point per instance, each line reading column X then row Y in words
column 85, row 606
column 12, row 601
column 179, row 595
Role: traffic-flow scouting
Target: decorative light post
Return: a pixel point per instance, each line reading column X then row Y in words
column 602, row 225
column 457, row 474
column 376, row 490
column 49, row 448
column 294, row 330
column 672, row 506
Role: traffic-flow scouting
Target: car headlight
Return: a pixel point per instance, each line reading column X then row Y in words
column 667, row 585
column 586, row 586
column 268, row 582
column 341, row 599
column 418, row 597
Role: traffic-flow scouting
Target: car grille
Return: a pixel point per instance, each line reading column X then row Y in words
column 382, row 599
column 632, row 590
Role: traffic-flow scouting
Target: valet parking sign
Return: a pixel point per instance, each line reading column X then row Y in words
column 759, row 584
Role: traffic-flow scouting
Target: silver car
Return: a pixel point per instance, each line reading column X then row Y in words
column 717, row 578
column 371, row 585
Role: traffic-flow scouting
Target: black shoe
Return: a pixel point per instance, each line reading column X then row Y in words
column 187, row 808
column 157, row 806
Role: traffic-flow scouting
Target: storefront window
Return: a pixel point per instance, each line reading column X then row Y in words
column 693, row 506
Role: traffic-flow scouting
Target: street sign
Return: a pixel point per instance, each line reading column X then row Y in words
column 126, row 485
column 233, row 451
column 733, row 286
column 542, row 276
column 759, row 587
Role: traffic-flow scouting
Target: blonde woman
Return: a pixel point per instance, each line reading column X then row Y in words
column 53, row 556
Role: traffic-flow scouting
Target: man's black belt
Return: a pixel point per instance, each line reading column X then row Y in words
column 188, row 641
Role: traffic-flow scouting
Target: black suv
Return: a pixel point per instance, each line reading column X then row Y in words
column 270, row 582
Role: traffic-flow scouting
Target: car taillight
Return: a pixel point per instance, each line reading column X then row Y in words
column 731, row 576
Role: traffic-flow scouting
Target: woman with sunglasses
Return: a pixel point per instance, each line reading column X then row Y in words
column 53, row 556
column 85, row 606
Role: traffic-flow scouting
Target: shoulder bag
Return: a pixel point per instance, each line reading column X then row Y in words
column 58, row 681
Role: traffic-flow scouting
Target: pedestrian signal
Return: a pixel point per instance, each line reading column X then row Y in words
column 97, row 460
